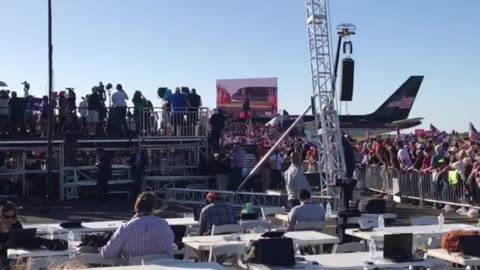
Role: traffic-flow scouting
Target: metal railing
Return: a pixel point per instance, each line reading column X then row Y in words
column 177, row 122
column 110, row 122
column 423, row 186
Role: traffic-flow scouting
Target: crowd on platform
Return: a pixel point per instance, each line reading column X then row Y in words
column 28, row 116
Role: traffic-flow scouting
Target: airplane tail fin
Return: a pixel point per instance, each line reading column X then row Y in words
column 398, row 105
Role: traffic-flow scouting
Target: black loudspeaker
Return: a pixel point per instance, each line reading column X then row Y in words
column 348, row 69
column 314, row 108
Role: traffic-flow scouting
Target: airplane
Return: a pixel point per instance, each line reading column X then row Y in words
column 391, row 116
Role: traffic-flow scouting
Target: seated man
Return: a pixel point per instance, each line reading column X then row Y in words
column 144, row 234
column 308, row 210
column 217, row 212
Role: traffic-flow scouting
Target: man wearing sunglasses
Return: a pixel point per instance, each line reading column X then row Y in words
column 8, row 220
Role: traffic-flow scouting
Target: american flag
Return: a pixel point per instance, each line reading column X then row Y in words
column 441, row 137
column 435, row 130
column 473, row 135
column 404, row 103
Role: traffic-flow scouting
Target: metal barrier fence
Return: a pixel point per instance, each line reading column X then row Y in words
column 441, row 188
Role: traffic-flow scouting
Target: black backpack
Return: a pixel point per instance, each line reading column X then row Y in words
column 277, row 252
column 372, row 206
column 96, row 240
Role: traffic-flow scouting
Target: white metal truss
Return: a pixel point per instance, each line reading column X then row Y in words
column 331, row 156
column 237, row 199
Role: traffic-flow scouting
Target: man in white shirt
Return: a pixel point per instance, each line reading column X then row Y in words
column 83, row 110
column 403, row 156
column 276, row 164
column 119, row 100
column 295, row 180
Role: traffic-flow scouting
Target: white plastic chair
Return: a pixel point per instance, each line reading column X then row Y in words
column 268, row 212
column 225, row 229
column 423, row 220
column 95, row 258
column 141, row 260
column 368, row 222
column 231, row 249
column 349, row 248
column 309, row 225
column 251, row 224
column 46, row 263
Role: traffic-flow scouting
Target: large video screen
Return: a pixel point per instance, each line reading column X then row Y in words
column 260, row 92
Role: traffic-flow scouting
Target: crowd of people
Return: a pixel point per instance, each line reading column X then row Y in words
column 28, row 116
column 454, row 163
column 235, row 139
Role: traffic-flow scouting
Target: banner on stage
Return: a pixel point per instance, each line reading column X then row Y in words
column 261, row 93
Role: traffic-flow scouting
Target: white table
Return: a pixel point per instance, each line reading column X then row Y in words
column 185, row 221
column 300, row 238
column 425, row 231
column 359, row 259
column 101, row 226
column 454, row 257
column 87, row 227
column 387, row 216
column 38, row 253
column 169, row 265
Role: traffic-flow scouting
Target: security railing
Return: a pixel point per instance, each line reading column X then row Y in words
column 177, row 122
column 424, row 186
column 106, row 122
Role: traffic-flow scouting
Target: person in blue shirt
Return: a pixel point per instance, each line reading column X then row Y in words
column 179, row 101
column 179, row 104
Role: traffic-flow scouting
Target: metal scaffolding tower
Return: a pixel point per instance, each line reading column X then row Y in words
column 331, row 156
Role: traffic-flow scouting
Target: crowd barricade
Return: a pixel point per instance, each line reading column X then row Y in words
column 421, row 186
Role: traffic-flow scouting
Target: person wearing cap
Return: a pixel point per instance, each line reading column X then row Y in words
column 145, row 234
column 217, row 212
column 418, row 163
column 403, row 156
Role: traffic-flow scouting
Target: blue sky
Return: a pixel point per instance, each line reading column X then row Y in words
column 145, row 44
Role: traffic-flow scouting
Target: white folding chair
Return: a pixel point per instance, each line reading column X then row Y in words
column 253, row 224
column 141, row 260
column 225, row 229
column 368, row 222
column 309, row 225
column 46, row 263
column 268, row 212
column 349, row 247
column 423, row 220
column 229, row 249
